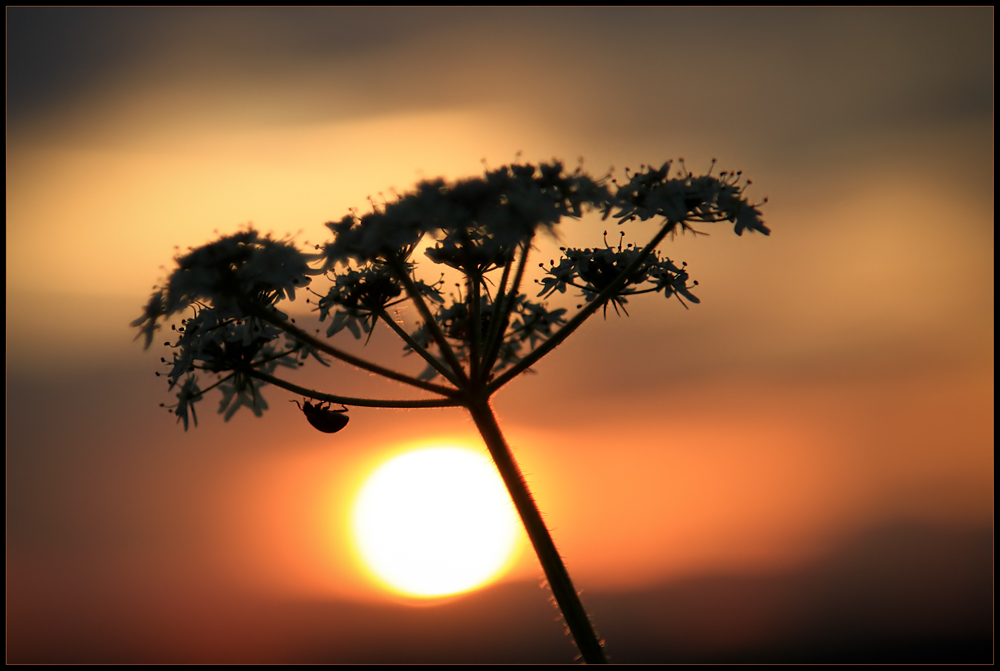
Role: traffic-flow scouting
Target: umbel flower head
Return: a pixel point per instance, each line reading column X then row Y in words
column 593, row 271
column 477, row 222
column 482, row 227
column 241, row 268
column 686, row 198
column 224, row 284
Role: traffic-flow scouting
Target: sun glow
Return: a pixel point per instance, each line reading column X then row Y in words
column 435, row 521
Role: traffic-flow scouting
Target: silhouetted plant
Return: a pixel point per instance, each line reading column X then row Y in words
column 473, row 343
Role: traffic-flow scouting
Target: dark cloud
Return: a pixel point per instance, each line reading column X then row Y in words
column 790, row 76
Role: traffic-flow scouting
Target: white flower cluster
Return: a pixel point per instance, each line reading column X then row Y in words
column 478, row 222
column 478, row 226
column 592, row 271
column 361, row 296
column 222, row 283
column 686, row 198
column 229, row 274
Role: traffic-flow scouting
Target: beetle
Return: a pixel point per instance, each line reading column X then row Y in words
column 323, row 418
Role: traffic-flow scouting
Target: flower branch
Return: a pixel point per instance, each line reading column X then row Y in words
column 416, row 347
column 350, row 400
column 506, row 305
column 446, row 351
column 498, row 319
column 326, row 348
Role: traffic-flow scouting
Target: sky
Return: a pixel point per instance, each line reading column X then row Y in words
column 800, row 468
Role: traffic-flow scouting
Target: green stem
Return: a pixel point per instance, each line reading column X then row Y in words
column 584, row 314
column 555, row 571
column 348, row 400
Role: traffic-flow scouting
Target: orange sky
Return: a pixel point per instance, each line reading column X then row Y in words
column 836, row 378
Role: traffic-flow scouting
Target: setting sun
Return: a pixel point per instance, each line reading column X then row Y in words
column 435, row 521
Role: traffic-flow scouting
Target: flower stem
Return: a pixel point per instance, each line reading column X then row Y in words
column 350, row 400
column 495, row 321
column 326, row 348
column 505, row 304
column 473, row 281
column 411, row 290
column 555, row 571
column 415, row 346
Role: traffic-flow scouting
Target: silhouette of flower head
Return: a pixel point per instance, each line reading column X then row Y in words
column 236, row 269
column 187, row 396
column 593, row 271
column 477, row 222
column 686, row 198
column 476, row 226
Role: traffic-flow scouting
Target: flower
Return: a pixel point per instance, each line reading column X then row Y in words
column 151, row 314
column 478, row 222
column 238, row 268
column 188, row 395
column 362, row 296
column 592, row 271
column 242, row 390
column 651, row 192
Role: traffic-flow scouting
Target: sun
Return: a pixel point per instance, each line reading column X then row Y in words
column 435, row 521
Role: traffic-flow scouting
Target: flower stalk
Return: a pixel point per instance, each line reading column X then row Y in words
column 577, row 620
